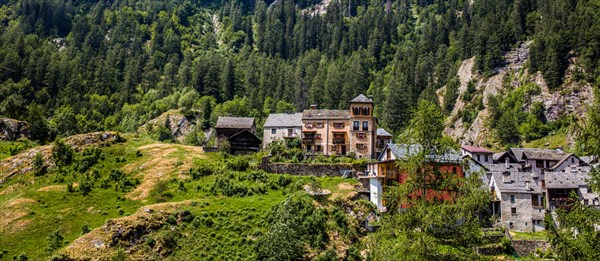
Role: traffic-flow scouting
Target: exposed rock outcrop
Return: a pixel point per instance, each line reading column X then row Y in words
column 11, row 129
column 571, row 98
column 179, row 125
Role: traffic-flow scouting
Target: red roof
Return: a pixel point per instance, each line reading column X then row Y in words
column 476, row 149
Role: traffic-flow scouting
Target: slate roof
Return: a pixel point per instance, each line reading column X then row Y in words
column 565, row 180
column 404, row 151
column 234, row 123
column 361, row 99
column 476, row 149
column 284, row 120
column 518, row 184
column 541, row 154
column 589, row 159
column 382, row 132
column 501, row 167
column 325, row 114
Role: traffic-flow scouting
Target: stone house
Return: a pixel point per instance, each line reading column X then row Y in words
column 340, row 132
column 279, row 126
column 517, row 200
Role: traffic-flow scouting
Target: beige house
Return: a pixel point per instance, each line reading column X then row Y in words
column 341, row 132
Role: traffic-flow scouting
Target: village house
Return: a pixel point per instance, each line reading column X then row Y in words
column 280, row 126
column 481, row 155
column 383, row 138
column 340, row 132
column 517, row 200
column 238, row 133
column 385, row 172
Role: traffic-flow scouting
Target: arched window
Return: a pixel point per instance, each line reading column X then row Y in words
column 365, row 111
column 355, row 110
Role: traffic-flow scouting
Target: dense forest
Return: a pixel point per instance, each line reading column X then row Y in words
column 79, row 66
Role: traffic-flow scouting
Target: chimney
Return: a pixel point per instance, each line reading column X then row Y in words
column 560, row 150
column 527, row 185
column 314, row 107
column 370, row 97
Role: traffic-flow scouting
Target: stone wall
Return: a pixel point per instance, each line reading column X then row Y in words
column 305, row 169
column 525, row 248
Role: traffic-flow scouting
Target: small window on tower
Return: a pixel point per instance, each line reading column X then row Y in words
column 273, row 131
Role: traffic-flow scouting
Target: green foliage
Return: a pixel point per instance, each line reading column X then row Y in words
column 62, row 153
column 294, row 223
column 55, row 241
column 38, row 165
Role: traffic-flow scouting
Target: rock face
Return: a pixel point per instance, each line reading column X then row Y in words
column 11, row 129
column 179, row 125
column 571, row 98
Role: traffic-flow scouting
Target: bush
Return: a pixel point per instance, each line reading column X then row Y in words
column 85, row 228
column 38, row 165
column 55, row 241
column 238, row 164
column 201, row 170
column 62, row 153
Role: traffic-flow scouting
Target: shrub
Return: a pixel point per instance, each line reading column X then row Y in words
column 85, row 228
column 201, row 170
column 238, row 164
column 62, row 153
column 38, row 165
column 55, row 241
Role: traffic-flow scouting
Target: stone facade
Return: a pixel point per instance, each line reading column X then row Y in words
column 526, row 217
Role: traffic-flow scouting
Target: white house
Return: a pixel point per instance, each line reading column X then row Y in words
column 481, row 155
column 282, row 126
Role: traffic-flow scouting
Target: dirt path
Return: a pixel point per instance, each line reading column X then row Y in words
column 165, row 161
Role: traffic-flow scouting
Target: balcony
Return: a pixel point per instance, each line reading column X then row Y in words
column 290, row 136
column 308, row 140
column 339, row 141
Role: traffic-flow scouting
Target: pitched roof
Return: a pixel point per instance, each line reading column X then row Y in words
column 324, row 114
column 382, row 132
column 246, row 133
column 361, row 99
column 284, row 120
column 235, row 123
column 476, row 149
column 565, row 180
column 404, row 151
column 541, row 154
column 519, row 181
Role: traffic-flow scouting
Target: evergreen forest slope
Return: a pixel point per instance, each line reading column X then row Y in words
column 83, row 66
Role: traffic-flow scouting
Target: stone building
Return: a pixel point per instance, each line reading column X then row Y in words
column 238, row 133
column 279, row 126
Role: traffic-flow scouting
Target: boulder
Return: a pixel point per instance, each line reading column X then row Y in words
column 11, row 129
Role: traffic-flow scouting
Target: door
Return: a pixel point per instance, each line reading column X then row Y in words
column 343, row 149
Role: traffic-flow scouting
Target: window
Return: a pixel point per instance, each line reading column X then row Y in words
column 586, row 202
column 512, row 199
column 365, row 125
column 360, row 146
column 308, row 147
column 478, row 157
column 319, row 125
column 365, row 111
column 318, row 136
column 539, row 163
column 319, row 148
column 309, row 125
column 355, row 111
column 510, row 224
column 338, row 125
column 356, row 125
column 486, row 158
column 513, row 211
column 273, row 131
column 360, row 135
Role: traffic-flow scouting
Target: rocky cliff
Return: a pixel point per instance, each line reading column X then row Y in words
column 571, row 98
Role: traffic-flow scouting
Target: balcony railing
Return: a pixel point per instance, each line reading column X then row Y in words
column 308, row 140
column 339, row 141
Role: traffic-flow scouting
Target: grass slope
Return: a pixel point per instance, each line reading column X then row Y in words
column 31, row 208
